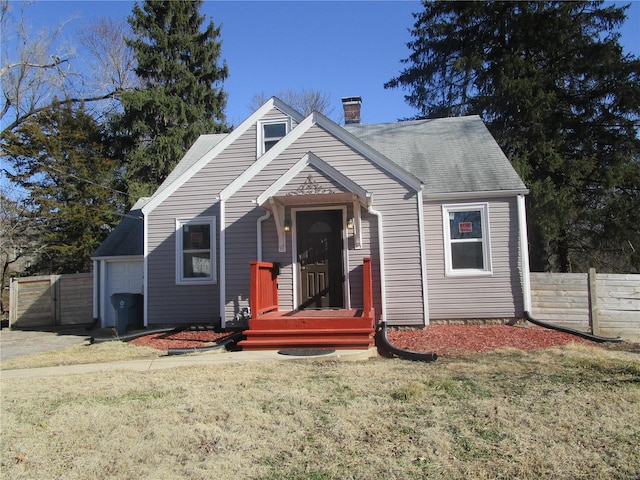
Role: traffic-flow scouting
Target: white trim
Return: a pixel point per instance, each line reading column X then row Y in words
column 524, row 254
column 260, row 138
column 423, row 258
column 350, row 140
column 311, row 159
column 383, row 162
column 453, row 196
column 145, row 270
column 259, row 232
column 483, row 208
column 222, row 145
column 119, row 258
column 181, row 222
column 257, row 166
column 103, row 293
column 96, row 290
column 345, row 251
column 223, row 264
column 383, row 283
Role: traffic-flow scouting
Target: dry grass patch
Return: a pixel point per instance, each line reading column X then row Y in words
column 81, row 354
column 562, row 413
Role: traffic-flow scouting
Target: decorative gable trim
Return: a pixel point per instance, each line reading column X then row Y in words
column 268, row 199
column 311, row 159
column 336, row 130
column 273, row 102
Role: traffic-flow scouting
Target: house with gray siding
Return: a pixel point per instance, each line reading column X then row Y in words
column 425, row 220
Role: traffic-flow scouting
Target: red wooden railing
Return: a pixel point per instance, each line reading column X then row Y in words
column 263, row 296
column 367, row 287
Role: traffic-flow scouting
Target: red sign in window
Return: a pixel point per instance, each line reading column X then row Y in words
column 465, row 227
column 196, row 237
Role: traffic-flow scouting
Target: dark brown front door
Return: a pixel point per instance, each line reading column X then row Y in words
column 319, row 243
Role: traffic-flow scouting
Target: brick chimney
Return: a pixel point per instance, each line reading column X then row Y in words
column 351, row 107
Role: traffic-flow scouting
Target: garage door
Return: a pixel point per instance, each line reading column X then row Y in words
column 122, row 277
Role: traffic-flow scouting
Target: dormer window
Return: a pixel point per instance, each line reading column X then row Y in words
column 270, row 132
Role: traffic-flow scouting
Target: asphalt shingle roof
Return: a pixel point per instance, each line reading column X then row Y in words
column 449, row 155
column 128, row 237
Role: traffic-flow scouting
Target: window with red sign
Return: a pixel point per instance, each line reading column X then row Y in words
column 466, row 235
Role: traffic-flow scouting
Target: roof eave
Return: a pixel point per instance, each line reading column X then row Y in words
column 474, row 195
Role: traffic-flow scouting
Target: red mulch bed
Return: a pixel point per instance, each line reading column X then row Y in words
column 184, row 339
column 460, row 339
column 441, row 339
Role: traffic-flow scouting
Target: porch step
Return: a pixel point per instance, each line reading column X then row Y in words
column 306, row 323
column 276, row 339
column 324, row 329
column 317, row 342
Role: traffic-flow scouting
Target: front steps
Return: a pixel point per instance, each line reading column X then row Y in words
column 309, row 330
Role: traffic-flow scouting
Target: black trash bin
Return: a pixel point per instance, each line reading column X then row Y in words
column 128, row 307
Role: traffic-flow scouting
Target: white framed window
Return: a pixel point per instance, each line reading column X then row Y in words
column 467, row 249
column 196, row 251
column 270, row 132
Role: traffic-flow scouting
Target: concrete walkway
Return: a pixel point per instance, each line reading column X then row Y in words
column 215, row 357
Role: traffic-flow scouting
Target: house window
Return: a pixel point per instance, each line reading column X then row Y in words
column 195, row 251
column 466, row 239
column 270, row 132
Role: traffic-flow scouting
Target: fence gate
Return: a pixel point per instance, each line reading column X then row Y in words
column 50, row 300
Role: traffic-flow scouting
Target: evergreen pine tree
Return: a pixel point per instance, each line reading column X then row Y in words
column 181, row 95
column 58, row 157
column 552, row 83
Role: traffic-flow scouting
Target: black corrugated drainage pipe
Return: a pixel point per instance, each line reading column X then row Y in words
column 571, row 331
column 388, row 350
column 130, row 336
column 231, row 339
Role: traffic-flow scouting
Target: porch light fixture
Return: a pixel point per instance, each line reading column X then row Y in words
column 287, row 226
column 351, row 226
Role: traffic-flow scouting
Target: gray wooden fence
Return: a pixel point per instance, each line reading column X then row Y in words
column 51, row 300
column 599, row 303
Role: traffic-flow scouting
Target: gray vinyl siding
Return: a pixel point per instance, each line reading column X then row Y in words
column 168, row 302
column 495, row 296
column 396, row 202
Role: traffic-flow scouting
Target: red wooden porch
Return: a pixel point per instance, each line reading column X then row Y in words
column 270, row 329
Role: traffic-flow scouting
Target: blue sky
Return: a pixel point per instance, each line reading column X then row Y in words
column 339, row 48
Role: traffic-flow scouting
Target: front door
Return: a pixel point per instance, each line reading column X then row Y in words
column 319, row 244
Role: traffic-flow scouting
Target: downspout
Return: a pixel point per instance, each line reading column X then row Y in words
column 259, row 231
column 223, row 292
column 524, row 253
column 382, row 341
column 423, row 258
column 383, row 288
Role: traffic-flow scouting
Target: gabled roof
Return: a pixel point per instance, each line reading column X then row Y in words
column 193, row 165
column 202, row 145
column 127, row 238
column 349, row 139
column 449, row 155
column 311, row 159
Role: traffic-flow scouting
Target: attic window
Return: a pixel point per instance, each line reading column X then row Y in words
column 270, row 132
